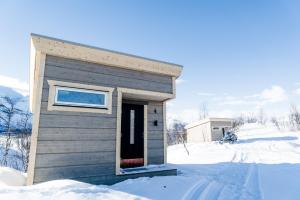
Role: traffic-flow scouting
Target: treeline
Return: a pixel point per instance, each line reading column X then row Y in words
column 289, row 122
column 15, row 132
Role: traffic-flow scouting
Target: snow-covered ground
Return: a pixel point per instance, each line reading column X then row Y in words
column 11, row 177
column 264, row 164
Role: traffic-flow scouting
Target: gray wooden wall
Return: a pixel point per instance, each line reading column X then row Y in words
column 155, row 133
column 81, row 146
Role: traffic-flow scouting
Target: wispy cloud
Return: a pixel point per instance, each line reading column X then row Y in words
column 207, row 94
column 274, row 94
column 179, row 81
column 225, row 113
column 297, row 91
column 273, row 99
column 237, row 102
column 186, row 115
column 15, row 84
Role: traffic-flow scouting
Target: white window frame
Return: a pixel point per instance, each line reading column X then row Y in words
column 57, row 102
column 54, row 105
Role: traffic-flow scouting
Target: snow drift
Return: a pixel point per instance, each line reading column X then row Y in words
column 263, row 164
column 11, row 177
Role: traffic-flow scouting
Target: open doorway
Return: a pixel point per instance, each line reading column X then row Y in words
column 132, row 135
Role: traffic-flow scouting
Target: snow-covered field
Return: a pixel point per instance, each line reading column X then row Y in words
column 264, row 164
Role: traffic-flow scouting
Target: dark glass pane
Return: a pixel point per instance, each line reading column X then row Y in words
column 80, row 97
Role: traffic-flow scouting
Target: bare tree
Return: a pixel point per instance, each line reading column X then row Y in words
column 275, row 121
column 251, row 118
column 8, row 109
column 294, row 117
column 203, row 112
column 23, row 139
column 177, row 134
column 261, row 118
column 238, row 122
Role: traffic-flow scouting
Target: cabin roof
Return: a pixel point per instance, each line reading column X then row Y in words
column 56, row 47
column 35, row 36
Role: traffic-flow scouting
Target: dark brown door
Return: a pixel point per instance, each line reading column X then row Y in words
column 132, row 132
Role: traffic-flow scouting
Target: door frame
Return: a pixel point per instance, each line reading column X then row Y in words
column 144, row 108
column 134, row 94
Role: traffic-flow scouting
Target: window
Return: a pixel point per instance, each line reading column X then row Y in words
column 132, row 115
column 80, row 97
column 77, row 97
column 215, row 128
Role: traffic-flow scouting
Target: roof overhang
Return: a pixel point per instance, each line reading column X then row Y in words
column 133, row 94
column 66, row 49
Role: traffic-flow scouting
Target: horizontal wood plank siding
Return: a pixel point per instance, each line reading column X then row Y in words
column 80, row 134
column 74, row 146
column 71, row 159
column 155, row 133
column 82, row 146
column 156, row 160
column 60, row 121
column 97, row 77
column 102, row 69
column 155, row 144
column 68, row 172
column 155, row 152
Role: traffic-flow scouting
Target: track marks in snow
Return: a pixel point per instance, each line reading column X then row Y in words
column 251, row 187
column 195, row 191
column 237, row 171
column 204, row 190
column 212, row 191
column 239, row 157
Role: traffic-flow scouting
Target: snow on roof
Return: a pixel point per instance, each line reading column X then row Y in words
column 206, row 120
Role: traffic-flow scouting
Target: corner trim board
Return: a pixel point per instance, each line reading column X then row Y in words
column 40, row 60
column 165, row 133
column 118, row 133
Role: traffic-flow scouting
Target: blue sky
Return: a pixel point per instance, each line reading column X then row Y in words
column 238, row 56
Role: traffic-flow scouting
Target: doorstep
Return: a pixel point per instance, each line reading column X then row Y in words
column 155, row 170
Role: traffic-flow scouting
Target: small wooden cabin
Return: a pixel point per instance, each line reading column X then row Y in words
column 207, row 130
column 99, row 116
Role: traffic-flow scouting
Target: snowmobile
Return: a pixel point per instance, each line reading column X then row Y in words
column 229, row 136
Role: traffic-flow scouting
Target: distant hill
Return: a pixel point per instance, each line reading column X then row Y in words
column 24, row 100
column 6, row 91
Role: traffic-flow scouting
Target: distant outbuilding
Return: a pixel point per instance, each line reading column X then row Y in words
column 207, row 130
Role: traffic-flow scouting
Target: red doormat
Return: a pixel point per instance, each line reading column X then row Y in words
column 134, row 162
